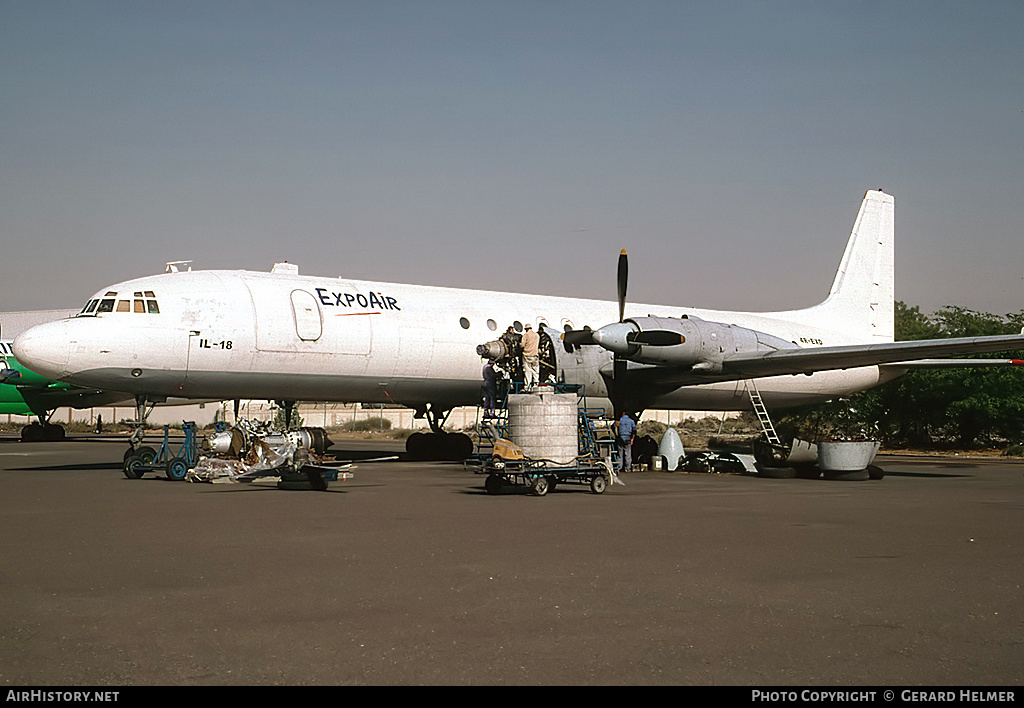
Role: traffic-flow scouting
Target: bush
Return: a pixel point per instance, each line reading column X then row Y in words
column 651, row 427
column 367, row 425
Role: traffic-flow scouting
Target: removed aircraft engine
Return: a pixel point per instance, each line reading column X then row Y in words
column 241, row 437
column 253, row 450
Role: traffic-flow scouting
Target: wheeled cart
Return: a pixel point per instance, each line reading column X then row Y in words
column 540, row 476
column 164, row 459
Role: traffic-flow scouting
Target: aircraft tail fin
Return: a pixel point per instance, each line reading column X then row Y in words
column 860, row 302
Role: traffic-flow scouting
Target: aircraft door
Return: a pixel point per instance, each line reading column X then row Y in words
column 308, row 321
column 577, row 365
column 288, row 319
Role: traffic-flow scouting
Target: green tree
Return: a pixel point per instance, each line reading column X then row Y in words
column 281, row 424
column 944, row 406
column 911, row 324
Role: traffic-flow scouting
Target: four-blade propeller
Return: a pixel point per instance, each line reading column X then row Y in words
column 622, row 338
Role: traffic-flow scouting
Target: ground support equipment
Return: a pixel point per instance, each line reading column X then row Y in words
column 506, row 466
column 175, row 464
column 541, row 476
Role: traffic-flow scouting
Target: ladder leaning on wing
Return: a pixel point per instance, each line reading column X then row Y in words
column 762, row 413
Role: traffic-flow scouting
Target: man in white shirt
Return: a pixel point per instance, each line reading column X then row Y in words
column 531, row 357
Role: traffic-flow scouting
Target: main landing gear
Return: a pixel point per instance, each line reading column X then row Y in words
column 42, row 431
column 437, row 444
column 143, row 407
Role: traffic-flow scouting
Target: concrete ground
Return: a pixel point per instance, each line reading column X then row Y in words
column 411, row 574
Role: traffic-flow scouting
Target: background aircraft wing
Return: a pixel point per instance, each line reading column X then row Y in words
column 46, row 399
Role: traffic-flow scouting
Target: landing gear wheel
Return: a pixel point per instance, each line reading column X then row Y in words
column 32, row 433
column 144, row 450
column 776, row 472
column 462, row 446
column 493, row 484
column 541, row 486
column 177, row 469
column 598, row 484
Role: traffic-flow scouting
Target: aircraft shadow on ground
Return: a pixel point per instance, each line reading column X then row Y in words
column 79, row 467
column 929, row 475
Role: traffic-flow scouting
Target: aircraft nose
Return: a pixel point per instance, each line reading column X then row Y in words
column 44, row 349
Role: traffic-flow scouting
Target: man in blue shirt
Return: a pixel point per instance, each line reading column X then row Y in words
column 624, row 441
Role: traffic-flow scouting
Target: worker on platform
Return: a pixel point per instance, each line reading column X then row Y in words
column 512, row 362
column 624, row 436
column 531, row 358
column 490, row 389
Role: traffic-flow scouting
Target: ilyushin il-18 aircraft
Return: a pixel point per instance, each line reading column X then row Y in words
column 230, row 334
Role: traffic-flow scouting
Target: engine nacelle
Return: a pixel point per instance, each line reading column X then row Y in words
column 686, row 341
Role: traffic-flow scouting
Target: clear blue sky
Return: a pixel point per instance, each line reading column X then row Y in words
column 513, row 145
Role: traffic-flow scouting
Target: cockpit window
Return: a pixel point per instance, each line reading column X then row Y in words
column 141, row 303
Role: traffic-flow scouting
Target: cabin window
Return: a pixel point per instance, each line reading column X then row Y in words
column 464, row 322
column 518, row 326
column 492, row 325
column 124, row 306
column 105, row 306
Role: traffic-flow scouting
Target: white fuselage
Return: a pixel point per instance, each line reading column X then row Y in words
column 241, row 334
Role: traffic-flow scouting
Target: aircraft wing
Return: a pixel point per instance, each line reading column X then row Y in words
column 807, row 360
column 955, row 363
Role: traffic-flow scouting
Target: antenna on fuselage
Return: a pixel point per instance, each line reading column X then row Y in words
column 178, row 266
